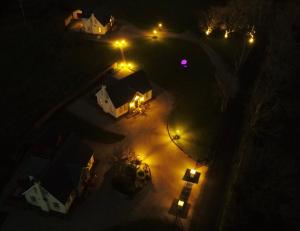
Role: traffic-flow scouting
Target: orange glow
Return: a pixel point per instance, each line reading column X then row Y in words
column 160, row 25
column 193, row 171
column 155, row 32
column 124, row 65
column 120, row 43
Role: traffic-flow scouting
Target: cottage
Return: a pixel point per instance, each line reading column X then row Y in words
column 120, row 96
column 92, row 25
column 61, row 180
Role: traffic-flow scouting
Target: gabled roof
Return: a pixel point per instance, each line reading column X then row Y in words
column 122, row 91
column 63, row 175
column 103, row 19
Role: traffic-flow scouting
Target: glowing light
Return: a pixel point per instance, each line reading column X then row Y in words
column 136, row 97
column 131, row 105
column 142, row 99
column 180, row 203
column 124, row 65
column 160, row 25
column 155, row 32
column 208, row 31
column 120, row 44
column 251, row 37
column 226, row 34
column 192, row 172
column 177, row 131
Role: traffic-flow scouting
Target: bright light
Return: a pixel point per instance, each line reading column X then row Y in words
column 124, row 65
column 251, row 38
column 192, row 172
column 136, row 97
column 120, row 43
column 155, row 32
column 142, row 98
column 180, row 203
column 131, row 105
column 177, row 131
column 160, row 25
column 226, row 34
column 208, row 31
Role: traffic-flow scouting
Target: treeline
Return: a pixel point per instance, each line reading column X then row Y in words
column 265, row 195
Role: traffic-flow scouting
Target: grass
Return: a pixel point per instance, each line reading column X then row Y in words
column 229, row 49
column 197, row 110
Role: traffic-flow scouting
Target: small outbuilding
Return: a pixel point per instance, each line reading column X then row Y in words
column 100, row 26
column 90, row 24
column 55, row 185
column 120, row 96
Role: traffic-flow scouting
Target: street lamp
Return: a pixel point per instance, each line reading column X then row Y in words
column 121, row 44
column 177, row 135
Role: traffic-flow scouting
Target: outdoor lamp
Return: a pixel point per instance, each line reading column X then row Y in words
column 180, row 203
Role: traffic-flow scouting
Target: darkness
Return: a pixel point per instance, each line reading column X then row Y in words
column 253, row 167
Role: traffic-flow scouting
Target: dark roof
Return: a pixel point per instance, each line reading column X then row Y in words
column 63, row 175
column 123, row 90
column 103, row 19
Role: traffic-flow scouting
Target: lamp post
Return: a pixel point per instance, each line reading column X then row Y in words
column 155, row 33
column 121, row 44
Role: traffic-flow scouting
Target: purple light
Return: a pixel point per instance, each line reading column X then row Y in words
column 184, row 62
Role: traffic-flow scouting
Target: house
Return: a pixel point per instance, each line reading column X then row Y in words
column 120, row 96
column 78, row 21
column 92, row 25
column 61, row 180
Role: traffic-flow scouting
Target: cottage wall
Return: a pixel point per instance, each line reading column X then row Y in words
column 38, row 196
column 105, row 102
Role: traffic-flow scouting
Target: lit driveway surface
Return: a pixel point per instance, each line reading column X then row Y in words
column 147, row 136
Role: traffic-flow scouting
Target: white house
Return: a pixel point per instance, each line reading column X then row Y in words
column 92, row 25
column 64, row 178
column 120, row 96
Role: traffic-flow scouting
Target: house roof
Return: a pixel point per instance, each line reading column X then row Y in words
column 122, row 91
column 63, row 175
column 103, row 19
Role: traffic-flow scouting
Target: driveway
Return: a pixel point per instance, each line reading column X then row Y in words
column 104, row 207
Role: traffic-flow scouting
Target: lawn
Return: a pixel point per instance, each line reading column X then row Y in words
column 229, row 49
column 197, row 109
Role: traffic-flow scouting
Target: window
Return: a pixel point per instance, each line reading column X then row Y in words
column 32, row 198
column 55, row 205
